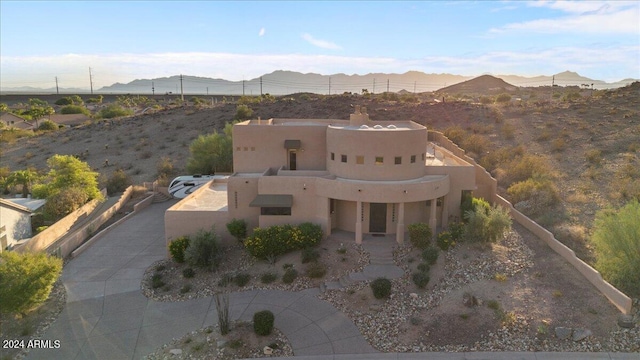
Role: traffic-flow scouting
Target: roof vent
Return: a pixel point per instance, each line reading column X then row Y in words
column 364, row 127
column 378, row 127
column 391, row 127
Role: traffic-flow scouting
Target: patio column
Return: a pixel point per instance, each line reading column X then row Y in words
column 445, row 211
column 358, row 222
column 400, row 225
column 432, row 215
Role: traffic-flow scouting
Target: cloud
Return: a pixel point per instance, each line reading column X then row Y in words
column 320, row 43
column 581, row 17
column 261, row 32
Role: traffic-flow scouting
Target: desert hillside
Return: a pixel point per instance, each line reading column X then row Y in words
column 584, row 144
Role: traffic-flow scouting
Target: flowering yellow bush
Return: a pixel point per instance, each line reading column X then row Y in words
column 280, row 239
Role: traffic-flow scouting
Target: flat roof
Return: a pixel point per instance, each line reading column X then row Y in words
column 212, row 197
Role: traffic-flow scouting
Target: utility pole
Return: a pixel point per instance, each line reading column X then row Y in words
column 374, row 86
column 387, row 85
column 153, row 88
column 91, row 81
column 414, row 87
column 329, row 85
column 243, row 86
column 207, row 91
column 181, row 89
column 57, row 90
column 260, row 85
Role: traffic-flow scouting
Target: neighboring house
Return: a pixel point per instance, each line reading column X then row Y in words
column 69, row 120
column 15, row 219
column 16, row 122
column 362, row 176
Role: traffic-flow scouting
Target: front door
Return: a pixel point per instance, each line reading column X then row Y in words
column 292, row 160
column 377, row 218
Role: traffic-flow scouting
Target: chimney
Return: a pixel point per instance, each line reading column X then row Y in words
column 359, row 116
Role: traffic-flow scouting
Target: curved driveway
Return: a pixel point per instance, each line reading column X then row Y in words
column 107, row 317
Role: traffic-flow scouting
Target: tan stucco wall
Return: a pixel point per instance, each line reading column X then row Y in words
column 16, row 224
column 372, row 143
column 428, row 188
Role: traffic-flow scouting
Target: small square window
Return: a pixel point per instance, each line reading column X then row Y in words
column 253, row 148
column 359, row 159
column 333, row 156
column 246, row 148
column 343, row 158
column 379, row 160
column 413, row 159
column 238, row 148
column 398, row 160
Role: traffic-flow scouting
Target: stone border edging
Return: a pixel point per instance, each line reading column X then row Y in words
column 99, row 235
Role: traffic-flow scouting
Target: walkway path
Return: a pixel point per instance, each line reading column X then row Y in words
column 107, row 317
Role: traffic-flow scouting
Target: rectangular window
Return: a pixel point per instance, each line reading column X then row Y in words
column 413, row 159
column 379, row 160
column 398, row 160
column 238, row 148
column 332, row 206
column 343, row 158
column 333, row 156
column 359, row 159
column 275, row 211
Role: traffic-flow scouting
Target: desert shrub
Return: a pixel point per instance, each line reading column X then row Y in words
column 421, row 279
column 165, row 168
column 571, row 96
column 445, row 240
column 203, row 250
column 211, row 153
column 268, row 278
column 522, row 168
column 242, row 279
column 381, row 288
column 156, row 281
column 280, row 239
column 456, row 229
column 309, row 255
column 593, row 156
column 558, row 145
column 26, row 280
column 316, row 270
column 430, row 255
column 502, row 98
column 424, row 267
column 118, row 182
column 48, row 126
column 178, row 247
column 185, row 288
column 486, row 100
column 237, row 228
column 243, row 112
column 420, row 235
column 455, row 134
column 64, row 101
column 289, row 276
column 64, row 202
column 263, row 322
column 487, row 227
column 188, row 273
column 114, row 111
column 225, row 280
column 616, row 238
column 75, row 109
column 539, row 194
column 476, row 144
column 508, row 131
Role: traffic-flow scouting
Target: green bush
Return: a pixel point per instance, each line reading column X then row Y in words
column 75, row 109
column 238, row 229
column 540, row 194
column 118, row 182
column 280, row 239
column 420, row 235
column 456, row 229
column 616, row 238
column 430, row 255
column 445, row 240
column 455, row 134
column 177, row 248
column 48, row 126
column 156, row 281
column 424, row 267
column 502, row 98
column 64, row 202
column 487, row 227
column 114, row 111
column 289, row 276
column 316, row 270
column 243, row 112
column 421, row 279
column 263, row 322
column 268, row 278
column 522, row 168
column 476, row 144
column 381, row 288
column 64, row 101
column 242, row 279
column 309, row 255
column 188, row 273
column 26, row 280
column 203, row 250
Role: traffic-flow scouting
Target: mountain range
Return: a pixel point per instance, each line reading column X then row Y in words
column 287, row 82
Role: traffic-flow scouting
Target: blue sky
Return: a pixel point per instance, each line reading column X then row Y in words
column 126, row 40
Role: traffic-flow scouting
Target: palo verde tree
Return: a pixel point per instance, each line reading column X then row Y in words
column 65, row 171
column 39, row 109
column 616, row 236
column 212, row 152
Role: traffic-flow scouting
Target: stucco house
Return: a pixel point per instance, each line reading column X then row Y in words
column 357, row 175
column 15, row 219
column 14, row 121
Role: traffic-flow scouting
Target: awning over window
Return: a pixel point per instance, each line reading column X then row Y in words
column 292, row 144
column 272, row 201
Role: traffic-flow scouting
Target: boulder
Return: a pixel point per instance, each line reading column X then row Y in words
column 581, row 334
column 563, row 333
column 267, row 350
column 626, row 321
column 175, row 352
column 469, row 300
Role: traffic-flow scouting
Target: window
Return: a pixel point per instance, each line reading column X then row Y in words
column 343, row 158
column 379, row 160
column 398, row 160
column 359, row 159
column 253, row 148
column 332, row 206
column 246, row 148
column 238, row 148
column 333, row 156
column 413, row 159
column 275, row 211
